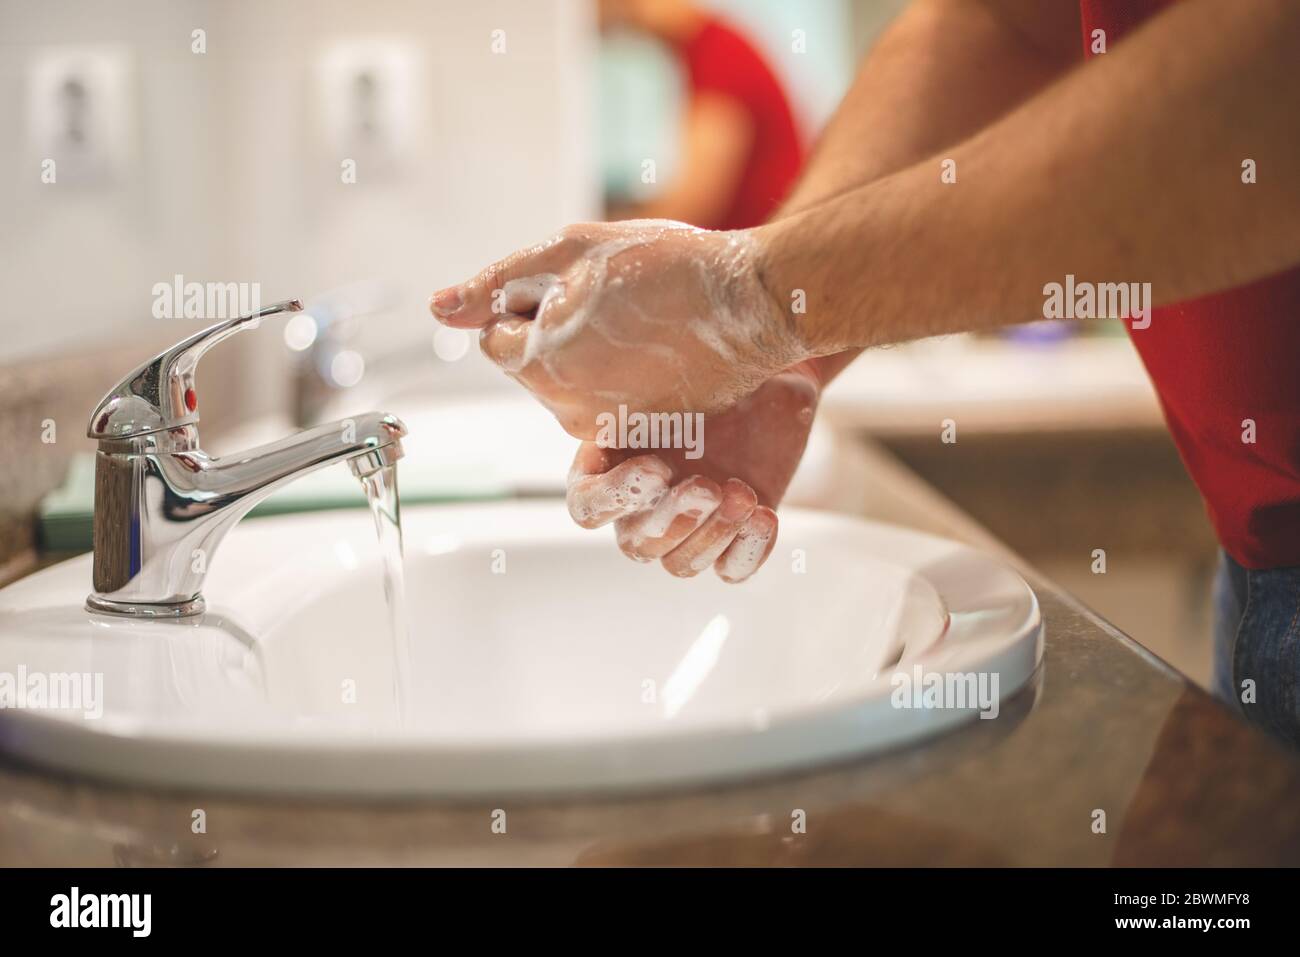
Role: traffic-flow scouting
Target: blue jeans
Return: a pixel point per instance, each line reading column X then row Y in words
column 1257, row 645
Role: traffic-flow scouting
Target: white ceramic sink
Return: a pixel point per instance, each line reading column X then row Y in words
column 542, row 660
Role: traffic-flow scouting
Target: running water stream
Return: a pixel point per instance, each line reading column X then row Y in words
column 381, row 492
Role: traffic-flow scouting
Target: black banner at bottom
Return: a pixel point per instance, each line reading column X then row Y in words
column 334, row 906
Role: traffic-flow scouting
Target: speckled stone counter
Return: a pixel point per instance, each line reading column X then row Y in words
column 1103, row 727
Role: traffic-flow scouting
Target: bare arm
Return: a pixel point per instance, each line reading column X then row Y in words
column 1128, row 169
column 942, row 71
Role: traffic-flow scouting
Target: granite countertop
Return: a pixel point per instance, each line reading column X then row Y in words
column 1103, row 726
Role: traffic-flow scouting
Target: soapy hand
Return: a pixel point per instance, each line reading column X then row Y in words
column 716, row 510
column 651, row 315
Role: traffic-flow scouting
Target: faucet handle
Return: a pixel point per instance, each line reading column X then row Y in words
column 160, row 393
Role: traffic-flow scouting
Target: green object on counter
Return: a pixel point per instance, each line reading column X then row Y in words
column 66, row 514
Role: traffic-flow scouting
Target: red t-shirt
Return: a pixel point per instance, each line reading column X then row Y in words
column 720, row 60
column 1219, row 361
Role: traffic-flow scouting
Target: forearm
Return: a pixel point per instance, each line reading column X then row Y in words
column 942, row 70
column 1128, row 170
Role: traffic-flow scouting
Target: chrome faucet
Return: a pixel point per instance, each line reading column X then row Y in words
column 162, row 505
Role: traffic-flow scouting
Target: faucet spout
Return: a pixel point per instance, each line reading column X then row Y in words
column 163, row 505
column 366, row 442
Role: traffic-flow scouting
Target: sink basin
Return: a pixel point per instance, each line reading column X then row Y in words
column 542, row 660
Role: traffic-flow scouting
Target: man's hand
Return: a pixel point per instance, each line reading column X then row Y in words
column 651, row 315
column 716, row 510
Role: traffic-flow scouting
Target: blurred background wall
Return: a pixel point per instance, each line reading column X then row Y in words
column 216, row 156
column 226, row 165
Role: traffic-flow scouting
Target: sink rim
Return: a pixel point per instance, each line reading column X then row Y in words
column 607, row 763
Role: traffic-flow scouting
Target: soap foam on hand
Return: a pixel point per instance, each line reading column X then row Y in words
column 531, row 292
column 633, row 486
column 650, row 314
column 749, row 548
column 699, row 525
column 691, row 502
column 730, row 318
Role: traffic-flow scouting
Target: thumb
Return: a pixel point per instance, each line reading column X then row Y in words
column 514, row 285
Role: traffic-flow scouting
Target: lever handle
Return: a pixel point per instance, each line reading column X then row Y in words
column 160, row 393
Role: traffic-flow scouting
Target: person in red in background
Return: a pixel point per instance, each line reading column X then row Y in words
column 741, row 149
